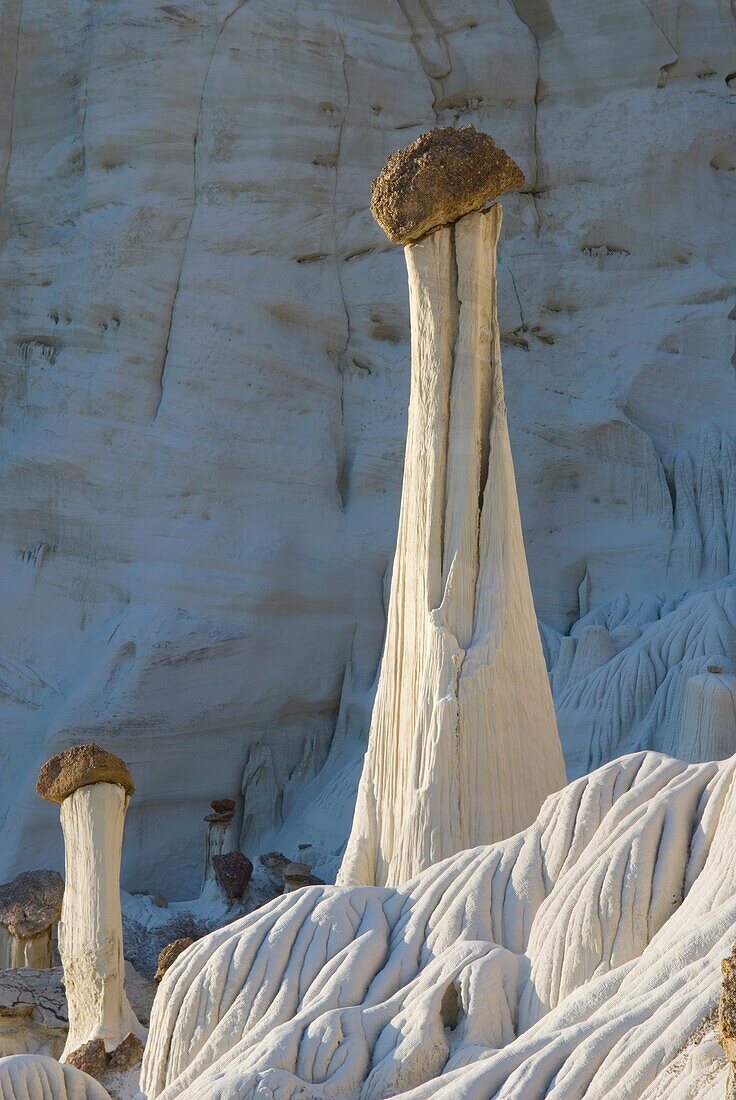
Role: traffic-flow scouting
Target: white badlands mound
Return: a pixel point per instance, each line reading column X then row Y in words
column 576, row 959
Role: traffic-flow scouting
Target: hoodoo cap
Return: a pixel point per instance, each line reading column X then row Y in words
column 31, row 902
column 439, row 178
column 81, row 766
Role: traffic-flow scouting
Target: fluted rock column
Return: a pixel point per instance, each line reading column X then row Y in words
column 463, row 746
column 93, row 788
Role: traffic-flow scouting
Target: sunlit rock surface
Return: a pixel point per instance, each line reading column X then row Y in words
column 205, row 367
column 580, row 958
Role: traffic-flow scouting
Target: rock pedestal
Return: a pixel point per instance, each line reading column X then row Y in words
column 93, row 788
column 463, row 745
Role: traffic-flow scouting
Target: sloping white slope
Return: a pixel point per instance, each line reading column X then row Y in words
column 575, row 959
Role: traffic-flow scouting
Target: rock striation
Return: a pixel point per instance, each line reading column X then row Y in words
column 35, row 1077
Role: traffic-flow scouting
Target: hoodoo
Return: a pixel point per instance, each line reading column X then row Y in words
column 93, row 788
column 29, row 907
column 463, row 745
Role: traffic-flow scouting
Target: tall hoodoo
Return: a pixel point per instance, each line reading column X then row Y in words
column 463, row 745
column 93, row 788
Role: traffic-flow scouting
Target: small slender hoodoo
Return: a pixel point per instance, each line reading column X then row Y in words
column 93, row 788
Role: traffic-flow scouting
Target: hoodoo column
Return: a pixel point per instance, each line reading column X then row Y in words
column 93, row 788
column 463, row 746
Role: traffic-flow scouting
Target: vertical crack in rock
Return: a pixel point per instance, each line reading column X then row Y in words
column 518, row 302
column 195, row 181
column 534, row 188
column 663, row 32
column 429, row 45
column 341, row 458
column 88, row 30
column 11, row 126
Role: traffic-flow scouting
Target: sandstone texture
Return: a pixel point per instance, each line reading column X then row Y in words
column 205, row 347
column 438, row 178
column 463, row 747
column 81, row 766
column 90, row 928
column 31, row 902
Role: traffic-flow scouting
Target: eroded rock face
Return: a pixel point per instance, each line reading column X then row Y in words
column 475, row 978
column 463, row 746
column 438, row 178
column 205, row 348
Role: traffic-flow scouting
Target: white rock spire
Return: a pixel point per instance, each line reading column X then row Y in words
column 463, row 746
column 93, row 788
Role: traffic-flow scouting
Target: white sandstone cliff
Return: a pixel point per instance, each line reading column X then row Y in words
column 204, row 349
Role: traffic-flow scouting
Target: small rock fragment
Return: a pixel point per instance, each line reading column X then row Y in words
column 233, row 871
column 223, row 805
column 219, row 818
column 90, row 1058
column 297, row 875
column 727, row 1007
column 31, row 902
column 160, row 901
column 170, row 954
column 273, row 864
column 128, row 1054
column 440, row 177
